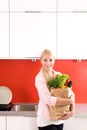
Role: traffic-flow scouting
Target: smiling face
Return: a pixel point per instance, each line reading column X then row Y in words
column 47, row 61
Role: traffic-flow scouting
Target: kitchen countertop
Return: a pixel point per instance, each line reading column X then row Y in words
column 19, row 113
column 80, row 111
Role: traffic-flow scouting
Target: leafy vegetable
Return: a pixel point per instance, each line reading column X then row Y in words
column 58, row 81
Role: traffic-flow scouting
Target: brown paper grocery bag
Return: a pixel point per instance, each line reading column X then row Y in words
column 57, row 112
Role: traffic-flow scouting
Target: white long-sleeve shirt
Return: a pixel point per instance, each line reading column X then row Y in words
column 45, row 100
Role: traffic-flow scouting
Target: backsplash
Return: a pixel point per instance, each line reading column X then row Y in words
column 19, row 76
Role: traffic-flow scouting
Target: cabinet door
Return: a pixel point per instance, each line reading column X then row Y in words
column 21, row 123
column 4, row 35
column 33, row 5
column 72, row 5
column 4, row 5
column 30, row 33
column 2, row 123
column 72, row 36
column 75, row 124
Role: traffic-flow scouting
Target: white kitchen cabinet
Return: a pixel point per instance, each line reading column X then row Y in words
column 30, row 33
column 4, row 5
column 75, row 124
column 72, row 36
column 2, row 123
column 33, row 5
column 72, row 5
column 4, row 35
column 21, row 123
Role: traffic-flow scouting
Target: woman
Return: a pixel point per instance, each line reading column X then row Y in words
column 45, row 99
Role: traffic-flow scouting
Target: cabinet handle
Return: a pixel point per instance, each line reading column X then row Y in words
column 80, row 11
column 32, row 11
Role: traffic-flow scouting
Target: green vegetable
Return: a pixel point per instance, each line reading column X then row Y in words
column 58, row 81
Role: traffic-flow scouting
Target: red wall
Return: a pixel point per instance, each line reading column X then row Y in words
column 19, row 76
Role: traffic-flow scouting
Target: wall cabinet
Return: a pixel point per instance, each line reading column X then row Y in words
column 2, row 123
column 21, row 123
column 29, row 26
column 30, row 33
column 72, row 39
column 4, row 5
column 33, row 5
column 72, row 5
column 4, row 29
column 4, row 35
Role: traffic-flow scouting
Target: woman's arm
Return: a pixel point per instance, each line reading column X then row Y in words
column 67, row 115
column 43, row 92
column 69, row 100
column 64, row 101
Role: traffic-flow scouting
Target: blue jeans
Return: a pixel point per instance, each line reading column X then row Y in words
column 52, row 127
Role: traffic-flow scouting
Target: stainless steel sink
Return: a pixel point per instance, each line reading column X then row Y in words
column 24, row 107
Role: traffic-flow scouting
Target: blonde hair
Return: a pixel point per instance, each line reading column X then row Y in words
column 46, row 51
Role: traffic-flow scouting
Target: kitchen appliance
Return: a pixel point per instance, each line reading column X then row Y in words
column 6, row 107
column 5, row 98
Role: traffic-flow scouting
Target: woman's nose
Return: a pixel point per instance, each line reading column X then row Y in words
column 48, row 62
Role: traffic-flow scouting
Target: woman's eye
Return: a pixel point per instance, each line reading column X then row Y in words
column 45, row 60
column 51, row 60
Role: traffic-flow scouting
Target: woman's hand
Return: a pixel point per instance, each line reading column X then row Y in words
column 70, row 113
column 67, row 115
